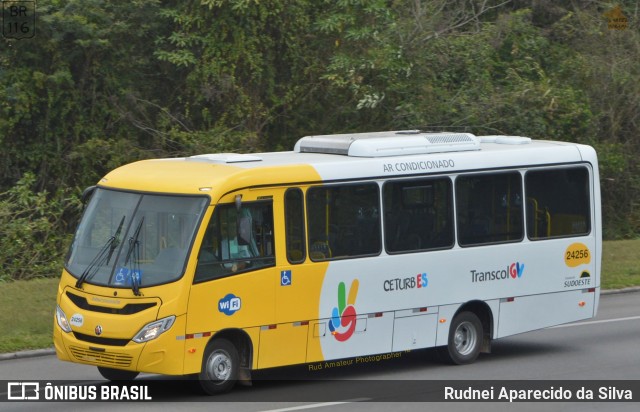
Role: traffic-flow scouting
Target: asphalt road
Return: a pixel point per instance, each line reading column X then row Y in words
column 596, row 352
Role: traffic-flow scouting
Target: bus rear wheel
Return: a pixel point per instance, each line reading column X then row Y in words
column 465, row 339
column 117, row 374
column 220, row 366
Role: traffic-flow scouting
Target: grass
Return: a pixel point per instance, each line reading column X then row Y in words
column 27, row 307
column 620, row 264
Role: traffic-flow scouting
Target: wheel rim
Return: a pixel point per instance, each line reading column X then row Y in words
column 465, row 338
column 219, row 366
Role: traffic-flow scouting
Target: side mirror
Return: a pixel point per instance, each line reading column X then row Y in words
column 86, row 194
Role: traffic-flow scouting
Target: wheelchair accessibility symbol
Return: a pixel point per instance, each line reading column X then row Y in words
column 285, row 278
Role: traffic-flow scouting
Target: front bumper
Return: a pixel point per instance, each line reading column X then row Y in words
column 163, row 355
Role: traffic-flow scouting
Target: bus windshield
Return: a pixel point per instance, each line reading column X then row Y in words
column 131, row 240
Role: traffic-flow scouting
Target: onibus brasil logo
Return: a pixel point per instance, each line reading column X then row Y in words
column 343, row 317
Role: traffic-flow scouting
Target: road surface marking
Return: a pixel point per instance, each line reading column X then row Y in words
column 593, row 322
column 318, row 405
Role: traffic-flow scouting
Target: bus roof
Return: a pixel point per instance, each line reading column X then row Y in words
column 340, row 157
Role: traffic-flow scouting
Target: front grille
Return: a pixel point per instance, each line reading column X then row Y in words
column 101, row 341
column 101, row 358
column 128, row 309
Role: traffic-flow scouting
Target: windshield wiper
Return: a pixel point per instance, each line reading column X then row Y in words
column 102, row 257
column 134, row 250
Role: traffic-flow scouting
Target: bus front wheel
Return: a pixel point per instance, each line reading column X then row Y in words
column 220, row 366
column 465, row 339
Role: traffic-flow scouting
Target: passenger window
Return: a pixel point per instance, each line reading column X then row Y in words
column 343, row 221
column 418, row 215
column 489, row 208
column 294, row 225
column 237, row 240
column 557, row 203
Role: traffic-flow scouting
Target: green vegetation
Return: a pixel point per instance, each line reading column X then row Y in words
column 621, row 264
column 35, row 235
column 27, row 309
column 30, row 327
column 103, row 83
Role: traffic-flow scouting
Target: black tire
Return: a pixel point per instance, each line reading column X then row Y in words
column 465, row 339
column 220, row 366
column 117, row 374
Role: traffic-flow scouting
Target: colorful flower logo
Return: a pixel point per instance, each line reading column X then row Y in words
column 343, row 317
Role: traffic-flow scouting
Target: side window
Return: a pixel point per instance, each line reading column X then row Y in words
column 418, row 215
column 237, row 240
column 343, row 221
column 489, row 208
column 557, row 203
column 294, row 225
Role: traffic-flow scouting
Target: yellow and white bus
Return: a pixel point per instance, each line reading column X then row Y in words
column 219, row 264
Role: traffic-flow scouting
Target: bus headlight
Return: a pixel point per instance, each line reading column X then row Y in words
column 154, row 329
column 62, row 320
